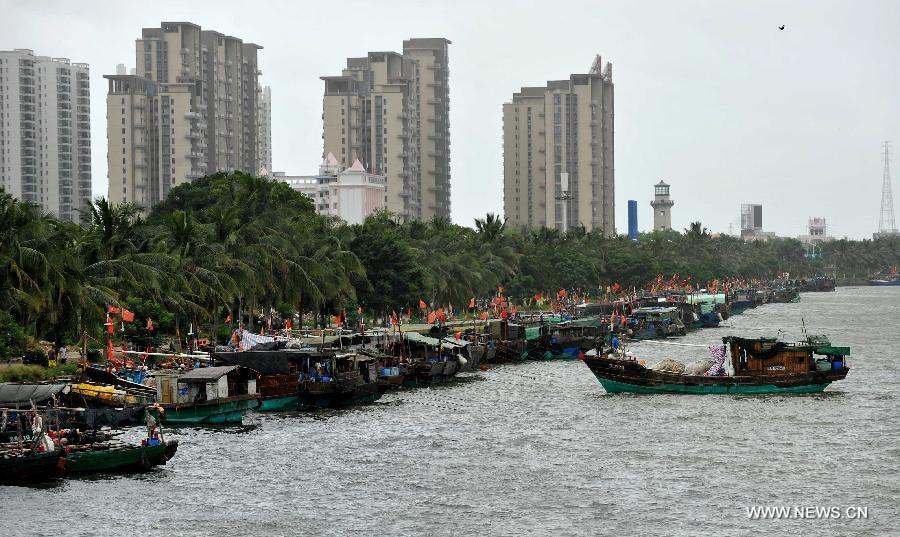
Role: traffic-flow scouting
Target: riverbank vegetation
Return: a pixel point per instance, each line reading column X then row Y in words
column 231, row 244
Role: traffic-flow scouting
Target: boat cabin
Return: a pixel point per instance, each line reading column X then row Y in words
column 768, row 356
column 205, row 384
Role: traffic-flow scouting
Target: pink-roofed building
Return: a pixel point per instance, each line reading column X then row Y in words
column 351, row 194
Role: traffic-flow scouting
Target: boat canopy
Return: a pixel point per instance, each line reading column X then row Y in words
column 454, row 342
column 415, row 337
column 655, row 310
column 12, row 393
column 206, row 374
column 265, row 362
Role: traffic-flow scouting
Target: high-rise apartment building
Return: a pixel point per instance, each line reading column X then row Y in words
column 565, row 127
column 45, row 132
column 189, row 109
column 390, row 111
column 264, row 133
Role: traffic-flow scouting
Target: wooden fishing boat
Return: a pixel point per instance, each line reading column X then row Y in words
column 741, row 300
column 118, row 457
column 30, row 466
column 886, row 281
column 786, row 295
column 568, row 340
column 509, row 341
column 656, row 322
column 759, row 366
column 277, row 371
column 338, row 380
column 206, row 396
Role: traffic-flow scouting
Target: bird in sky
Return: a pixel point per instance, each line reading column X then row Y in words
column 781, row 27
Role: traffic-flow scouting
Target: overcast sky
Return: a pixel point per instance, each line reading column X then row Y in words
column 710, row 96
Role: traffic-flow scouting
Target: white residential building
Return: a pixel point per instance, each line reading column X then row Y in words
column 45, row 132
column 351, row 194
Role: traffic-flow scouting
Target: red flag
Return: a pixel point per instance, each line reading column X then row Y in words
column 114, row 310
column 503, row 314
column 287, row 324
column 109, row 325
column 423, row 305
column 457, row 335
column 472, row 302
column 499, row 290
column 127, row 316
column 451, row 310
column 514, row 310
column 337, row 320
column 432, row 317
column 483, row 316
column 149, row 324
column 228, row 319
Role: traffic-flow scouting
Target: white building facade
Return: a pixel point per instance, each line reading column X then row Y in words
column 351, row 194
column 45, row 132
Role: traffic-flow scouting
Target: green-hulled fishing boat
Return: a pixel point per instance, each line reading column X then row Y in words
column 206, row 396
column 743, row 366
column 114, row 457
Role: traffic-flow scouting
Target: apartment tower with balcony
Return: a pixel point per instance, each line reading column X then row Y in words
column 565, row 127
column 390, row 111
column 45, row 132
column 264, row 132
column 189, row 108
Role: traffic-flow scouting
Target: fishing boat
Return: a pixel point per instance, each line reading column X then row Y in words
column 656, row 322
column 206, row 395
column 569, row 340
column 889, row 280
column 22, row 466
column 277, row 371
column 741, row 366
column 509, row 341
column 119, row 457
column 786, row 295
column 741, row 300
column 339, row 379
column 33, row 457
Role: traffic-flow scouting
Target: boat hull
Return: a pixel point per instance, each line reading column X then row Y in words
column 614, row 386
column 135, row 458
column 279, row 404
column 32, row 468
column 223, row 413
column 331, row 396
column 624, row 376
column 885, row 283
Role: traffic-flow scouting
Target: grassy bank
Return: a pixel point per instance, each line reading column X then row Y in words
column 24, row 373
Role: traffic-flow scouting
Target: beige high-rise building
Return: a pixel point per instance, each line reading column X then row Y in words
column 45, row 132
column 564, row 129
column 390, row 111
column 264, row 132
column 189, row 109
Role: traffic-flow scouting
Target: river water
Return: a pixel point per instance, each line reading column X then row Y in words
column 536, row 449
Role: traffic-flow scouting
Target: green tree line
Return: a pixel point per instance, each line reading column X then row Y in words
column 237, row 245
